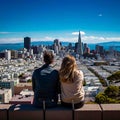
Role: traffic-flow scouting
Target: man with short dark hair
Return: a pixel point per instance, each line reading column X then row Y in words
column 45, row 83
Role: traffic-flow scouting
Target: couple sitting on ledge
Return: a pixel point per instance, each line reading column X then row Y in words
column 48, row 83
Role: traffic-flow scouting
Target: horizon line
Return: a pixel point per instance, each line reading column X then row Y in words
column 60, row 41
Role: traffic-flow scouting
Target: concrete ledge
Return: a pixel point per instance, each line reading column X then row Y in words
column 25, row 112
column 58, row 113
column 111, row 111
column 88, row 112
column 3, row 111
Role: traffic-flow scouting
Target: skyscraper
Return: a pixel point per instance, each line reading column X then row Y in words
column 57, row 46
column 7, row 54
column 27, row 42
column 86, row 49
column 79, row 46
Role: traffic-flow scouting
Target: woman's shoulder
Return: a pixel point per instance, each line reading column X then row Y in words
column 78, row 75
column 78, row 72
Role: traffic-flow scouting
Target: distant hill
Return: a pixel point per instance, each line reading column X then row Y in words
column 16, row 46
column 112, row 43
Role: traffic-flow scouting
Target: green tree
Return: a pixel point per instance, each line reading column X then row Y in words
column 101, row 98
column 112, row 91
column 114, row 77
column 30, row 80
column 21, row 75
column 110, row 100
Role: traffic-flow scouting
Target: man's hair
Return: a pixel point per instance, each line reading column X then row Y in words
column 48, row 57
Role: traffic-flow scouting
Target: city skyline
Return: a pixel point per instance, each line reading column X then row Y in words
column 46, row 20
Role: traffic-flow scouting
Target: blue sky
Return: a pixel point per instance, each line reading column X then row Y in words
column 43, row 20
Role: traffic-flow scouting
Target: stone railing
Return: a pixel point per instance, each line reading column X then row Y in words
column 87, row 112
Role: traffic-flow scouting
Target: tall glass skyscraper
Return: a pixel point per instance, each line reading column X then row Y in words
column 27, row 43
column 79, row 45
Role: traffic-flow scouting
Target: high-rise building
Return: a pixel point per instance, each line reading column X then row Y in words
column 2, row 54
column 35, row 49
column 99, row 49
column 14, row 54
column 7, row 54
column 86, row 49
column 27, row 43
column 79, row 45
column 57, row 46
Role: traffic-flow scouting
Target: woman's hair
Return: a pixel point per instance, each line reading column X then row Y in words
column 67, row 69
column 48, row 57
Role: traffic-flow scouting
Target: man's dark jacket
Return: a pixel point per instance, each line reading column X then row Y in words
column 45, row 83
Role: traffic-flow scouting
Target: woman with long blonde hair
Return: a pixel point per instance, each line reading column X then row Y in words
column 71, row 80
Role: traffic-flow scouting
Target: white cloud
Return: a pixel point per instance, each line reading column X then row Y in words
column 100, row 15
column 11, row 40
column 85, row 39
column 5, row 32
column 35, row 39
column 92, row 39
column 113, row 38
column 49, row 38
column 74, row 39
column 77, row 33
column 96, row 39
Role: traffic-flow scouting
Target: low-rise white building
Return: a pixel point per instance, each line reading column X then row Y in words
column 5, row 95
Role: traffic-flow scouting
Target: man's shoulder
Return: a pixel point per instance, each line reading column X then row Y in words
column 36, row 70
column 55, row 70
